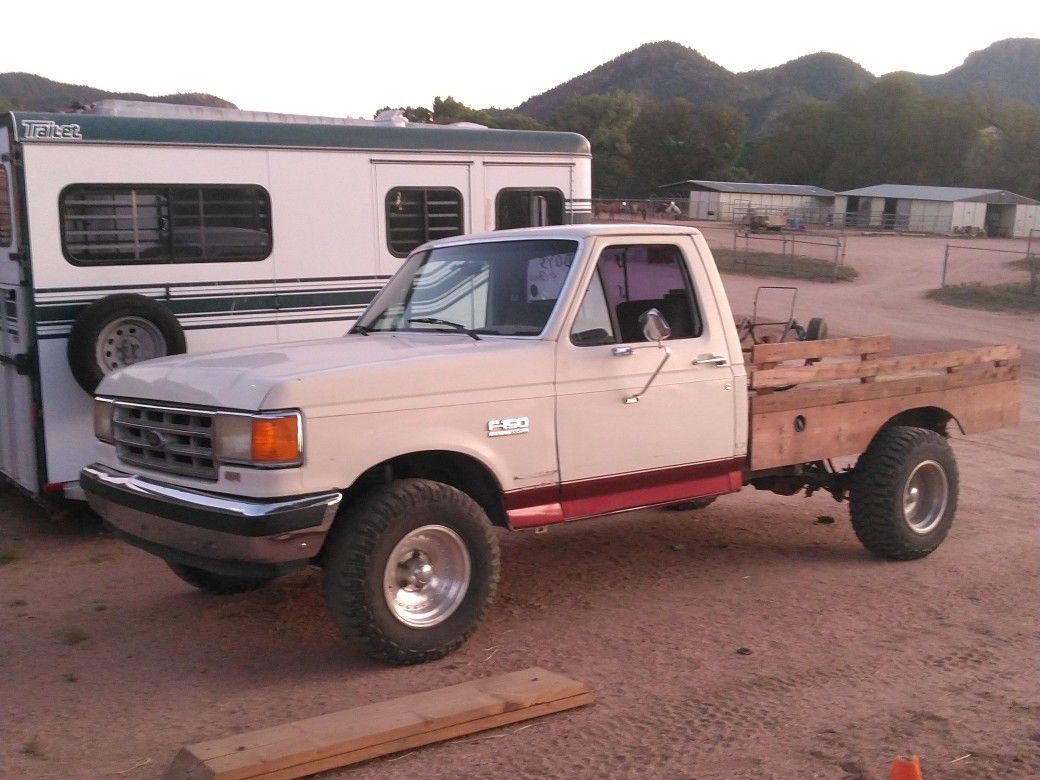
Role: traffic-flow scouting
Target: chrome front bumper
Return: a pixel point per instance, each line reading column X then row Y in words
column 221, row 533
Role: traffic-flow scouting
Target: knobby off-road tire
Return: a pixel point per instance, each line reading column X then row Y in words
column 904, row 493
column 816, row 329
column 691, row 505
column 411, row 571
column 217, row 584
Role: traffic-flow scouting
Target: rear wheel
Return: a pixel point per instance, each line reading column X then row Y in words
column 904, row 493
column 816, row 329
column 411, row 573
column 217, row 584
column 691, row 505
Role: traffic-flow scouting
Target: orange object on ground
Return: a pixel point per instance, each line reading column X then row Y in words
column 906, row 769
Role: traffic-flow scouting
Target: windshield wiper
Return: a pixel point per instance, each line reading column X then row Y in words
column 435, row 321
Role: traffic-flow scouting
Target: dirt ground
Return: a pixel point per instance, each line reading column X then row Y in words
column 109, row 663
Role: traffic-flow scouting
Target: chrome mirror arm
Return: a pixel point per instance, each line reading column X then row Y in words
column 631, row 399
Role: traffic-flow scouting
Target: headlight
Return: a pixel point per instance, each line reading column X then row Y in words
column 103, row 420
column 270, row 439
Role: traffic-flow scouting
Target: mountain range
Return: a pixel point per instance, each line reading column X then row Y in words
column 1006, row 70
column 29, row 92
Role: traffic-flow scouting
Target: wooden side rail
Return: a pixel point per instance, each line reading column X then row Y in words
column 869, row 368
column 764, row 354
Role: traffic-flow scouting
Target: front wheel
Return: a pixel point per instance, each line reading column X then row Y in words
column 904, row 493
column 411, row 573
column 217, row 584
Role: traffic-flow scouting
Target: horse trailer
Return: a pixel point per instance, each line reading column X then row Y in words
column 135, row 230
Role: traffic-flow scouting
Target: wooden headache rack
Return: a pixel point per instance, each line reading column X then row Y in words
column 813, row 400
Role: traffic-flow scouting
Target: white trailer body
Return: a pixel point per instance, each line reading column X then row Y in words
column 245, row 231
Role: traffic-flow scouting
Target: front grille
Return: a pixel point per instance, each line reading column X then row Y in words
column 178, row 441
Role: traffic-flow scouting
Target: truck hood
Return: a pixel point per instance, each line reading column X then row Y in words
column 352, row 369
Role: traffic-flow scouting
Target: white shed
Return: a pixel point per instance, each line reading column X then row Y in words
column 729, row 201
column 939, row 210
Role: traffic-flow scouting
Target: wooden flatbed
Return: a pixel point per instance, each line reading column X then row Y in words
column 813, row 400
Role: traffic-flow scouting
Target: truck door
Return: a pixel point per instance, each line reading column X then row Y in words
column 619, row 448
column 17, row 433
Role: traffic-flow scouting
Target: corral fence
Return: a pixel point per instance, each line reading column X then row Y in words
column 639, row 209
column 737, row 248
column 788, row 254
column 965, row 264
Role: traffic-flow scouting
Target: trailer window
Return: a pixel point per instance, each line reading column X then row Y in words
column 415, row 215
column 6, row 217
column 129, row 223
column 528, row 208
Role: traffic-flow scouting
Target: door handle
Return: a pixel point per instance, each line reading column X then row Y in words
column 622, row 351
column 710, row 360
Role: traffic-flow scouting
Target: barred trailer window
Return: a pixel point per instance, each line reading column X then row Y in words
column 103, row 224
column 415, row 215
column 6, row 216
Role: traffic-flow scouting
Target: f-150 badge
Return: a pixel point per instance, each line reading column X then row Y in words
column 509, row 426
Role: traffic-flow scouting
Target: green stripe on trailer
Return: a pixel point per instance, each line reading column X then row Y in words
column 229, row 304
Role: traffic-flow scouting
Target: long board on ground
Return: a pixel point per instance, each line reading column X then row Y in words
column 337, row 739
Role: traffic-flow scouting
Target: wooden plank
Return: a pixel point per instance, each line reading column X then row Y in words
column 934, row 361
column 438, row 735
column 845, row 429
column 375, row 729
column 826, row 395
column 812, row 350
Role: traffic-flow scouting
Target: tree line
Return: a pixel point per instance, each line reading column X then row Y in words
column 886, row 132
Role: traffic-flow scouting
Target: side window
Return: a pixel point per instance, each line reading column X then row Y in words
column 652, row 276
column 415, row 215
column 517, row 208
column 593, row 325
column 105, row 224
column 6, row 217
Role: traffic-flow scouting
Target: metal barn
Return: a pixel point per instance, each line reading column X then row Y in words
column 728, row 201
column 939, row 210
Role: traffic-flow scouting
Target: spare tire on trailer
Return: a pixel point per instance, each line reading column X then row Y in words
column 118, row 331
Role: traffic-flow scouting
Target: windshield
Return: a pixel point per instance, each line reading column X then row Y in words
column 506, row 288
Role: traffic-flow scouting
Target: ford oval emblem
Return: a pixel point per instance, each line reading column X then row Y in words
column 154, row 439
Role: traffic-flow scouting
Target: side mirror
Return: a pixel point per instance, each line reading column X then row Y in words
column 655, row 326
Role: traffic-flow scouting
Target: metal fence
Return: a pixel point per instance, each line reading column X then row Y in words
column 794, row 255
column 968, row 264
column 639, row 209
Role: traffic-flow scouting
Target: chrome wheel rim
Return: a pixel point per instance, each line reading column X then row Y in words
column 126, row 341
column 925, row 496
column 426, row 576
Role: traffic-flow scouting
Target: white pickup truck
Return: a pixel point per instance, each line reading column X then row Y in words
column 517, row 379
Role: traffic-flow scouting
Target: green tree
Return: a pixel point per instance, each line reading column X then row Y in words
column 888, row 131
column 605, row 121
column 1006, row 154
column 516, row 122
column 411, row 113
column 676, row 140
column 799, row 152
column 449, row 110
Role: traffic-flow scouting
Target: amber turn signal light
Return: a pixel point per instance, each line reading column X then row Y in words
column 276, row 439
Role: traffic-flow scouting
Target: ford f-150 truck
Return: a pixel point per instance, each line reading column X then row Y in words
column 517, row 379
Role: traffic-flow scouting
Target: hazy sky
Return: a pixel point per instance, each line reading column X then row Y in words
column 333, row 59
